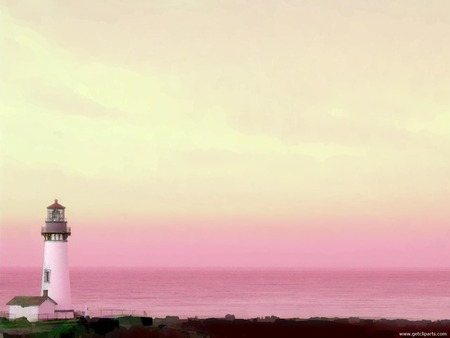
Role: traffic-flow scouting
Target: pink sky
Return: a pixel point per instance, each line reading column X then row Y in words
column 222, row 133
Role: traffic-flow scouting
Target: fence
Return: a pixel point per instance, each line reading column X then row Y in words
column 34, row 317
column 104, row 312
column 94, row 312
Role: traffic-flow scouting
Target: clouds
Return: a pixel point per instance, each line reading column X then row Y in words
column 224, row 111
column 437, row 125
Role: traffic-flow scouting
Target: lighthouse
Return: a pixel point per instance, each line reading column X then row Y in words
column 55, row 269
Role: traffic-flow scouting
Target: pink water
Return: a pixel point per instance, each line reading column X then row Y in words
column 248, row 293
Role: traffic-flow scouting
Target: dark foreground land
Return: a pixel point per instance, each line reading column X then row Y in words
column 172, row 327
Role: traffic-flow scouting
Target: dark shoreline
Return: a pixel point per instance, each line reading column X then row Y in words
column 228, row 327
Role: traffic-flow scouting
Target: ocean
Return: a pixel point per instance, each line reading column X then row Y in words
column 248, row 293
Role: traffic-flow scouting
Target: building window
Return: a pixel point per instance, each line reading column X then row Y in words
column 46, row 276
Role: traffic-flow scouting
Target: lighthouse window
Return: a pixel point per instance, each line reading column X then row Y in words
column 55, row 215
column 47, row 276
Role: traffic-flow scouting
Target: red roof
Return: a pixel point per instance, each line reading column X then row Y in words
column 25, row 301
column 56, row 205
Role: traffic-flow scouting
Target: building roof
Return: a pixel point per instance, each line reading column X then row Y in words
column 25, row 301
column 56, row 205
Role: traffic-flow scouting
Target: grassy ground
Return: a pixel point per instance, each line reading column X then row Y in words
column 23, row 327
column 172, row 327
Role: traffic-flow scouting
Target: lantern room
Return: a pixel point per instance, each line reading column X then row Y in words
column 55, row 212
column 55, row 225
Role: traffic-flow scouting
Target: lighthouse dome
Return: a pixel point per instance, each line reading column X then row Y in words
column 56, row 205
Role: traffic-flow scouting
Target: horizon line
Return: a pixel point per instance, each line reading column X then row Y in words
column 359, row 268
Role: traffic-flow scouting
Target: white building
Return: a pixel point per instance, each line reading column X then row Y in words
column 32, row 308
column 55, row 300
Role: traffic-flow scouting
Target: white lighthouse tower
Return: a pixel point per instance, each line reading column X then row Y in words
column 55, row 270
